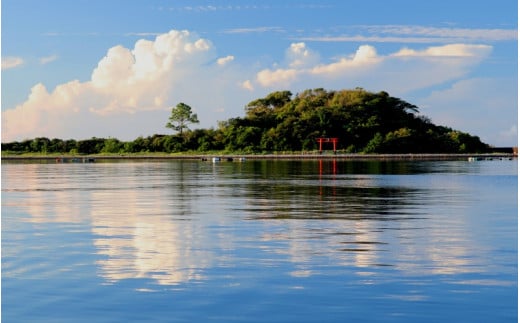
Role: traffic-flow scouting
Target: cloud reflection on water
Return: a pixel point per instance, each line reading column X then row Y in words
column 172, row 224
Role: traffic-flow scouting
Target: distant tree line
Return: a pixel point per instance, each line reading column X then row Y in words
column 197, row 140
column 364, row 122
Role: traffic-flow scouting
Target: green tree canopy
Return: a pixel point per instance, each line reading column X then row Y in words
column 364, row 122
column 181, row 117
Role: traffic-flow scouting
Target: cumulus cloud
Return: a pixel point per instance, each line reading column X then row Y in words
column 131, row 90
column 299, row 55
column 414, row 68
column 11, row 62
column 304, row 63
column 278, row 77
column 407, row 70
column 42, row 110
column 124, row 81
column 141, row 79
column 298, row 58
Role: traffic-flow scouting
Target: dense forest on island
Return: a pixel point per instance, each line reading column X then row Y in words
column 363, row 121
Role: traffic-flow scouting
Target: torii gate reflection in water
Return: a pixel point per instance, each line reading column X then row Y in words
column 334, row 142
column 331, row 168
column 322, row 140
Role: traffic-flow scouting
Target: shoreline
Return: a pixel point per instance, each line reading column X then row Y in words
column 224, row 157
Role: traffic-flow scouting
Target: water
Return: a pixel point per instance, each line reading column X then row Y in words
column 260, row 241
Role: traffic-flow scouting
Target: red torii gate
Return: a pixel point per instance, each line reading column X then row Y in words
column 322, row 140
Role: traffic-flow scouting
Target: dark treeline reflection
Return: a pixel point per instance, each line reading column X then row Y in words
column 330, row 190
column 327, row 167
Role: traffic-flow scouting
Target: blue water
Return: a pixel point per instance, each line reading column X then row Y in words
column 260, row 241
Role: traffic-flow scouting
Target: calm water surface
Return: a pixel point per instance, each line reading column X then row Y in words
column 260, row 241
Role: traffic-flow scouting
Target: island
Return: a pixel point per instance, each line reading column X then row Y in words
column 356, row 121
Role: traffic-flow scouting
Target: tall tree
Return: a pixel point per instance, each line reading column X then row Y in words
column 181, row 117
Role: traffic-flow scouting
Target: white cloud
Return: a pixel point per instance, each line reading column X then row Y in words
column 299, row 55
column 303, row 64
column 142, row 34
column 140, row 79
column 279, row 77
column 453, row 50
column 476, row 106
column 225, row 60
column 262, row 29
column 414, row 69
column 247, row 85
column 457, row 34
column 298, row 58
column 151, row 76
column 365, row 56
column 48, row 59
column 131, row 89
column 414, row 34
column 44, row 112
column 242, row 7
column 366, row 39
column 11, row 62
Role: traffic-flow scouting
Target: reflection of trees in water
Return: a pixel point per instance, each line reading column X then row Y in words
column 162, row 221
column 347, row 199
column 288, row 168
column 350, row 214
column 322, row 190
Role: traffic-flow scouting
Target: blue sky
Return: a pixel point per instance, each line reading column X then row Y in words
column 79, row 69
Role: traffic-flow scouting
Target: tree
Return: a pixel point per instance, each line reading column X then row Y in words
column 180, row 118
column 363, row 121
column 112, row 145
